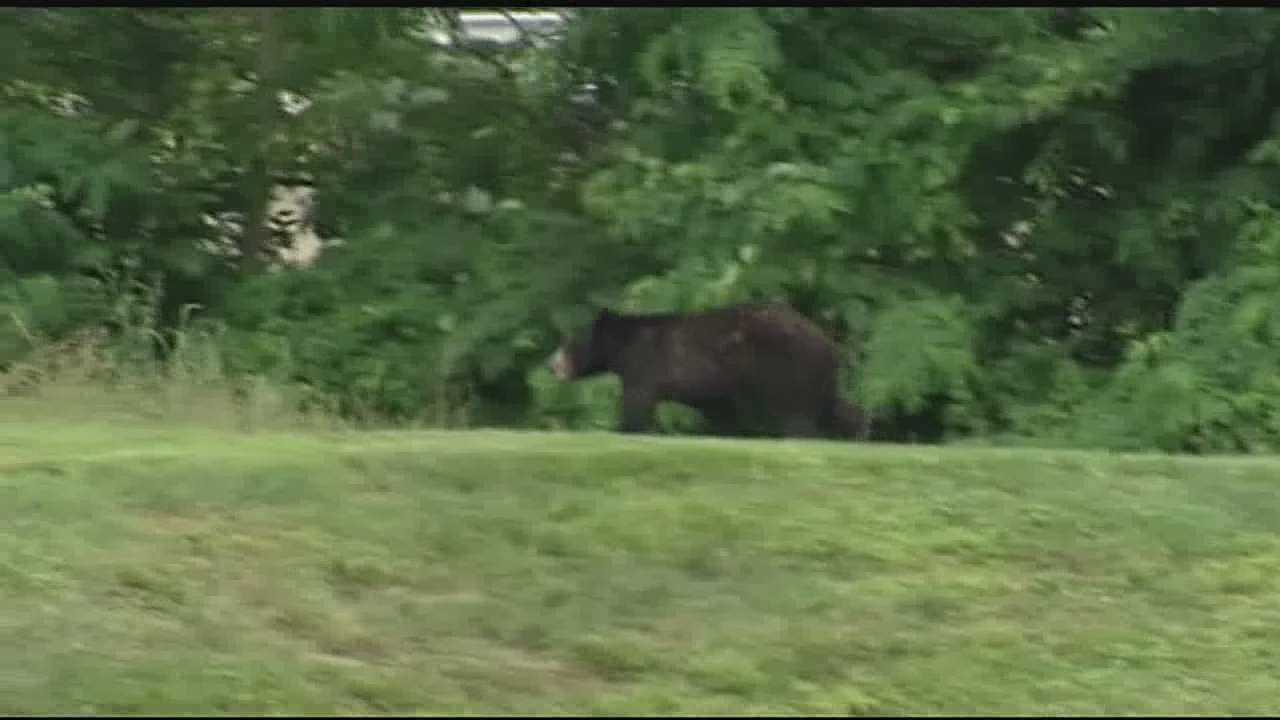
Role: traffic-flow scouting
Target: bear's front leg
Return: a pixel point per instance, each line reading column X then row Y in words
column 638, row 403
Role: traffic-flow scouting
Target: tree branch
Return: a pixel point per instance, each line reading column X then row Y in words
column 524, row 34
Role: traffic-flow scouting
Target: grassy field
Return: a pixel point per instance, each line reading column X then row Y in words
column 167, row 568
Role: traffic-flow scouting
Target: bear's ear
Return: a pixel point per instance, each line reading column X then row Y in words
column 606, row 314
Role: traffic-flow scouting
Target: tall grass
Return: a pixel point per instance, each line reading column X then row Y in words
column 134, row 369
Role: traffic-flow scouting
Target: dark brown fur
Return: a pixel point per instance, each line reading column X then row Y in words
column 741, row 366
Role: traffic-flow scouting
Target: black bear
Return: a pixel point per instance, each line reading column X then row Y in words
column 748, row 369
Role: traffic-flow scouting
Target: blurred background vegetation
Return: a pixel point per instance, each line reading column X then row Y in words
column 1048, row 226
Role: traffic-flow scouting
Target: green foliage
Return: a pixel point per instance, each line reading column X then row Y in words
column 917, row 349
column 1001, row 214
column 35, row 307
column 727, row 54
column 1022, row 162
column 1210, row 384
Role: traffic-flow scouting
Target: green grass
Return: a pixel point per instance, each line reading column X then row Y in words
column 167, row 568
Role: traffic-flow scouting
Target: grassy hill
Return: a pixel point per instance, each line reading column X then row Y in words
column 151, row 568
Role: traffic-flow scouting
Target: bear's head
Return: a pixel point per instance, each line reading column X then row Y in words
column 587, row 353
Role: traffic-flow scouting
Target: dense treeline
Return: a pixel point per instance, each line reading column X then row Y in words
column 1056, row 225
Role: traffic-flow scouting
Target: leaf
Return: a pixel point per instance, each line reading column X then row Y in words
column 98, row 195
column 1252, row 314
column 428, row 95
column 476, row 201
column 394, row 89
column 123, row 130
column 384, row 120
